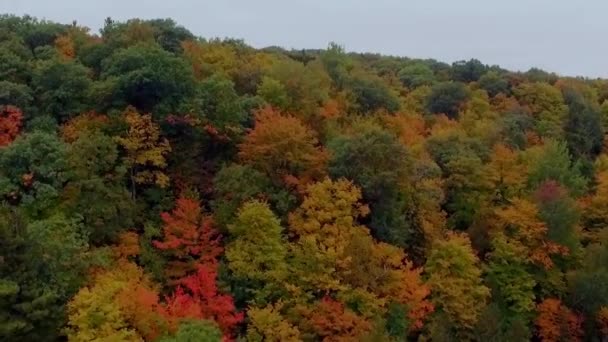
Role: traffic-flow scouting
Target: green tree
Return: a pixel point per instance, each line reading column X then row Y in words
column 61, row 88
column 44, row 264
column 195, row 331
column 257, row 252
column 416, row 74
column 149, row 78
column 33, row 170
column 376, row 161
column 447, row 98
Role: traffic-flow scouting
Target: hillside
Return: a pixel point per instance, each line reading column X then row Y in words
column 158, row 186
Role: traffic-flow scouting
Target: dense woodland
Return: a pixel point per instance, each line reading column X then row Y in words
column 158, row 186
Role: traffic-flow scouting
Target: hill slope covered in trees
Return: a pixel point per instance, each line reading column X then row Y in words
column 157, row 186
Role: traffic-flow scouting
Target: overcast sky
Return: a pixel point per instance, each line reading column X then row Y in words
column 565, row 36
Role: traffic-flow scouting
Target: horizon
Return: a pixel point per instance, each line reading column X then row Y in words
column 557, row 37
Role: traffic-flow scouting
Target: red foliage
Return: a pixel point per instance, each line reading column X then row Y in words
column 199, row 298
column 189, row 238
column 555, row 322
column 10, row 123
column 333, row 322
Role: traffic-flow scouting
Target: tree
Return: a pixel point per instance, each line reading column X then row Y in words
column 583, row 128
column 220, row 105
column 120, row 304
column 10, row 124
column 322, row 227
column 468, row 71
column 61, row 88
column 447, row 98
column 198, row 297
column 454, row 276
column 555, row 322
column 148, row 78
column 523, row 229
column 282, row 147
column 257, row 252
column 189, row 239
column 274, row 93
column 494, row 83
column 194, row 331
column 96, row 187
column 546, row 104
column 145, row 150
column 267, row 324
column 552, row 162
column 416, row 74
column 44, row 264
column 332, row 321
column 33, row 170
column 380, row 165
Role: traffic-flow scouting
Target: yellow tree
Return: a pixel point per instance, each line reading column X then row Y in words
column 145, row 150
column 268, row 324
column 322, row 228
column 454, row 276
column 119, row 305
column 505, row 173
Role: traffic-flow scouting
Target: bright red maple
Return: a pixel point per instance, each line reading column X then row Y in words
column 198, row 297
column 189, row 239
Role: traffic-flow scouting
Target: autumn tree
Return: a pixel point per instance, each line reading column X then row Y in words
column 555, row 322
column 10, row 124
column 454, row 276
column 189, row 239
column 197, row 297
column 268, row 324
column 145, row 151
column 322, row 227
column 282, row 147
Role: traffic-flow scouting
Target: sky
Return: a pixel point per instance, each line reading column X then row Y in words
column 564, row 36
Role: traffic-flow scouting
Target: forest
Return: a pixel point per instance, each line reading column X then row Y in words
column 160, row 186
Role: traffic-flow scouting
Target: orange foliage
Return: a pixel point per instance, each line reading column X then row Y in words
column 284, row 148
column 128, row 245
column 189, row 238
column 332, row 322
column 527, row 233
column 10, row 123
column 410, row 129
column 602, row 321
column 65, row 46
column 555, row 322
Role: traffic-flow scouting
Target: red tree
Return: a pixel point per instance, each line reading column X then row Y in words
column 198, row 297
column 188, row 238
column 10, row 123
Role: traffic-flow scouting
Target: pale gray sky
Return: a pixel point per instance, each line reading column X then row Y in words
column 565, row 36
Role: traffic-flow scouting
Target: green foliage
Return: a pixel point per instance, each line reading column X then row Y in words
column 416, row 74
column 149, row 78
column 552, row 162
column 447, row 98
column 195, row 331
column 61, row 89
column 32, row 171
